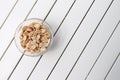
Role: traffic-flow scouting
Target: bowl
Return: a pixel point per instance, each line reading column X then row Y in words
column 18, row 34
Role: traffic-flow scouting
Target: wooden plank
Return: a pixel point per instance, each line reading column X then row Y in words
column 104, row 63
column 61, row 39
column 22, row 7
column 79, row 41
column 94, row 48
column 6, row 8
column 115, row 70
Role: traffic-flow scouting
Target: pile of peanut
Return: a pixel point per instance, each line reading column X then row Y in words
column 35, row 37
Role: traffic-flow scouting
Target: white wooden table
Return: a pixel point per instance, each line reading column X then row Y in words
column 86, row 40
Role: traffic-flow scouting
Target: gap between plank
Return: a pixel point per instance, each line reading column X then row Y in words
column 13, row 39
column 8, row 14
column 89, row 40
column 53, row 35
column 112, row 66
column 102, row 51
column 70, row 40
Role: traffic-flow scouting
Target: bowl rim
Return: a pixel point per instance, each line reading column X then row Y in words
column 19, row 27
